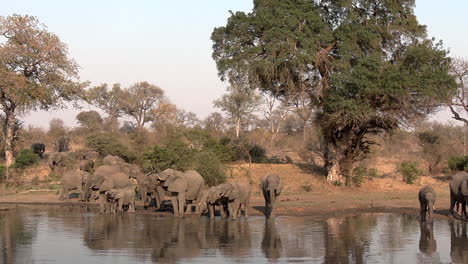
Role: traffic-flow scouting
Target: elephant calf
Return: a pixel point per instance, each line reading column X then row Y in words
column 119, row 197
column 271, row 188
column 427, row 198
column 237, row 195
column 211, row 198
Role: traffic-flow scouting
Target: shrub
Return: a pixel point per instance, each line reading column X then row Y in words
column 25, row 158
column 257, row 154
column 410, row 171
column 210, row 168
column 107, row 144
column 360, row 172
column 458, row 163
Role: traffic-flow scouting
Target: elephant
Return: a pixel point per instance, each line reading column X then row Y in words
column 237, row 194
column 108, row 177
column 112, row 160
column 459, row 192
column 211, row 198
column 74, row 180
column 120, row 197
column 182, row 187
column 57, row 160
column 427, row 242
column 38, row 149
column 271, row 186
column 427, row 197
column 86, row 165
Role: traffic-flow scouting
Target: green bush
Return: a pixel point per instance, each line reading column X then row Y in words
column 107, row 144
column 2, row 173
column 210, row 168
column 25, row 158
column 410, row 171
column 458, row 163
column 257, row 154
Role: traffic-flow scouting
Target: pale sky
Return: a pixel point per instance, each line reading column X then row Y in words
column 167, row 43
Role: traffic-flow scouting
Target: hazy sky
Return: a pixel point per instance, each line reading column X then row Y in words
column 167, row 43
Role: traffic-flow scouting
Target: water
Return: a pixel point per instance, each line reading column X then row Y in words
column 53, row 234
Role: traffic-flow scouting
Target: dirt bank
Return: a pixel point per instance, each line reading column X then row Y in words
column 376, row 196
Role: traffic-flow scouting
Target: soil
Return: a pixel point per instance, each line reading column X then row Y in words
column 305, row 194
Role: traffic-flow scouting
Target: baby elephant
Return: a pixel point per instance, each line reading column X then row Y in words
column 427, row 198
column 271, row 188
column 119, row 197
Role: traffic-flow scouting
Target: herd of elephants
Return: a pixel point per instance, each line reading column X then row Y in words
column 113, row 184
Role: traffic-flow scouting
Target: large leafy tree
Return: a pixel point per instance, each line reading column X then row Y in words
column 367, row 66
column 35, row 72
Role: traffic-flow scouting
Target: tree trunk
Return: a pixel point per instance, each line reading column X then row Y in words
column 8, row 137
column 238, row 125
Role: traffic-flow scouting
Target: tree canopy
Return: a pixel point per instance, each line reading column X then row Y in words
column 366, row 65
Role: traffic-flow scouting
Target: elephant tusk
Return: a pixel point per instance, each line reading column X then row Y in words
column 159, row 178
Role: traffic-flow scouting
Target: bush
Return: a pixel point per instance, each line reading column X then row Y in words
column 210, row 168
column 360, row 172
column 410, row 171
column 25, row 158
column 2, row 173
column 107, row 144
column 458, row 163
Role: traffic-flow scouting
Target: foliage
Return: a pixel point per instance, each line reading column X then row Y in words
column 192, row 150
column 431, row 143
column 26, row 158
column 108, row 144
column 35, row 72
column 361, row 172
column 90, row 119
column 2, row 173
column 410, row 171
column 367, row 66
column 458, row 163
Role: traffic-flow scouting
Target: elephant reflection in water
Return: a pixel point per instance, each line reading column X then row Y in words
column 458, row 242
column 427, row 242
column 271, row 242
column 109, row 231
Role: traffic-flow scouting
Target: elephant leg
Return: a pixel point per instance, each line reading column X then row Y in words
column 464, row 215
column 175, row 205
column 189, row 209
column 102, row 203
column 181, row 201
column 246, row 209
column 422, row 207
column 452, row 203
column 239, row 211
column 211, row 209
column 267, row 204
column 133, row 206
column 233, row 209
column 80, row 190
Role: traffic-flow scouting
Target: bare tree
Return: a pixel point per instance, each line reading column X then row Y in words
column 35, row 73
column 275, row 112
column 459, row 103
column 214, row 122
column 238, row 103
column 186, row 118
column 139, row 100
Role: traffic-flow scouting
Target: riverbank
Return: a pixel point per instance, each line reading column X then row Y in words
column 374, row 196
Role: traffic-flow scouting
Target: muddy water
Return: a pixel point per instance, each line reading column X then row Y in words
column 55, row 234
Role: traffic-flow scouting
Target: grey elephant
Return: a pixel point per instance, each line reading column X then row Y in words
column 112, row 160
column 237, row 195
column 271, row 186
column 86, row 165
column 108, row 177
column 182, row 187
column 120, row 197
column 459, row 192
column 74, row 180
column 427, row 197
column 57, row 160
column 38, row 149
column 212, row 198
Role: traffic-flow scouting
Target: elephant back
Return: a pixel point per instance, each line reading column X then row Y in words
column 457, row 180
column 195, row 185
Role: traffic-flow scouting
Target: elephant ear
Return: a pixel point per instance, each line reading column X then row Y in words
column 280, row 187
column 176, row 184
column 165, row 174
column 232, row 192
column 106, row 184
column 464, row 187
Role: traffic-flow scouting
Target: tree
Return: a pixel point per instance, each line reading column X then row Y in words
column 366, row 65
column 239, row 102
column 214, row 123
column 139, row 100
column 90, row 119
column 186, row 118
column 35, row 72
column 108, row 100
column 274, row 112
column 164, row 117
column 459, row 102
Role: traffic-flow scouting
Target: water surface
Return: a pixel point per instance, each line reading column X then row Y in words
column 55, row 234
